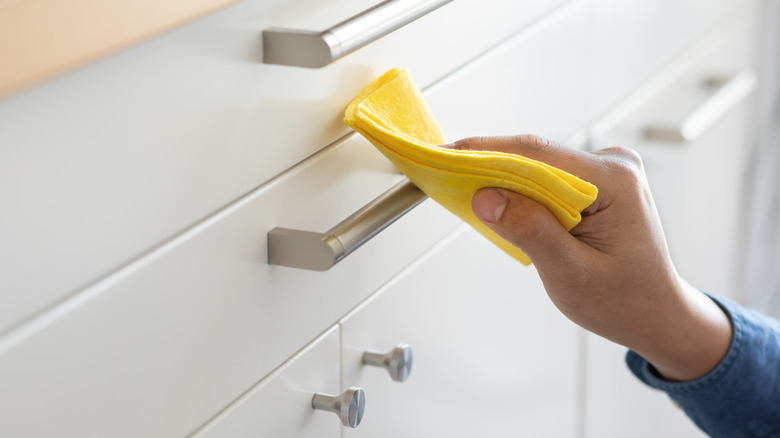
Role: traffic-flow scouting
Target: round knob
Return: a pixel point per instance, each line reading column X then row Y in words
column 397, row 362
column 349, row 406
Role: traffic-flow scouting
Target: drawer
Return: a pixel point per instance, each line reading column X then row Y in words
column 203, row 318
column 533, row 83
column 633, row 39
column 491, row 354
column 693, row 179
column 280, row 405
column 101, row 165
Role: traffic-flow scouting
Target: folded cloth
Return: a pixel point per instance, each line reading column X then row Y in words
column 392, row 114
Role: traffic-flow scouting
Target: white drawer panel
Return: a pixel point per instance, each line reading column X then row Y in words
column 533, row 83
column 632, row 39
column 492, row 355
column 168, row 342
column 102, row 164
column 280, row 406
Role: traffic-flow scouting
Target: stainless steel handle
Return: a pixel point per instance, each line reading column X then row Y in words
column 349, row 406
column 301, row 48
column 398, row 361
column 728, row 93
column 320, row 251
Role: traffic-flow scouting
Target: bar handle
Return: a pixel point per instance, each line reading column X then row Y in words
column 726, row 95
column 302, row 48
column 320, row 251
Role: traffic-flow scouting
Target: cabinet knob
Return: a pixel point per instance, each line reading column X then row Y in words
column 397, row 362
column 349, row 406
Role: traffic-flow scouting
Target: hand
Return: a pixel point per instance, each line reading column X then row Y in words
column 611, row 274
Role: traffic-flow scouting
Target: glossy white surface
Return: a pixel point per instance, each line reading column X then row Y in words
column 280, row 405
column 492, row 355
column 101, row 165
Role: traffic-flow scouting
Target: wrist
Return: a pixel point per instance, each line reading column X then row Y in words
column 695, row 337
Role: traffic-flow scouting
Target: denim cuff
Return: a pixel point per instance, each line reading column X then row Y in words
column 740, row 397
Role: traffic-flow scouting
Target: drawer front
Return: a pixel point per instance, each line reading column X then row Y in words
column 633, row 39
column 105, row 163
column 205, row 317
column 491, row 354
column 280, row 405
column 533, row 83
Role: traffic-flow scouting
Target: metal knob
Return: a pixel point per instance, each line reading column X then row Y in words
column 397, row 362
column 349, row 406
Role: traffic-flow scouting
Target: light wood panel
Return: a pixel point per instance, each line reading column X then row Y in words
column 42, row 38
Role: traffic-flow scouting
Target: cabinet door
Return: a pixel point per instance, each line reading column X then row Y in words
column 492, row 356
column 280, row 405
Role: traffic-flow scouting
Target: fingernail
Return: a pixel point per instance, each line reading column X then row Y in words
column 447, row 146
column 488, row 205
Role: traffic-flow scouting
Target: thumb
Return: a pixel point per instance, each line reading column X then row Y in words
column 525, row 224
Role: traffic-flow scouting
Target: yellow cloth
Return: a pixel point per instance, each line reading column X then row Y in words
column 392, row 114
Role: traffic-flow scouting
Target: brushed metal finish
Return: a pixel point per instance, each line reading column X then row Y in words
column 302, row 48
column 320, row 251
column 397, row 362
column 349, row 406
column 728, row 93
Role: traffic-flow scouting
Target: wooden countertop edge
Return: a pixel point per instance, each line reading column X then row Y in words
column 40, row 39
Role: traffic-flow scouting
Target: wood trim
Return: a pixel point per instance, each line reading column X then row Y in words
column 43, row 38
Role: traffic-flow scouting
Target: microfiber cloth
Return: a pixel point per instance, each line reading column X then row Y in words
column 392, row 114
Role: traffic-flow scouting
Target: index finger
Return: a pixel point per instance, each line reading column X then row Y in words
column 579, row 163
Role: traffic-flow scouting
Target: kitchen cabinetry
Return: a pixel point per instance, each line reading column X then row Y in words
column 138, row 191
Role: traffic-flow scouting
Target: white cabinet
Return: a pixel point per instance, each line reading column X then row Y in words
column 205, row 317
column 492, row 355
column 104, row 164
column 136, row 298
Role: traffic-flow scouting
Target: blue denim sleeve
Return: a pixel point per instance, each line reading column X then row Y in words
column 740, row 398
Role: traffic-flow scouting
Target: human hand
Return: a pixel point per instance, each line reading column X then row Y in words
column 611, row 274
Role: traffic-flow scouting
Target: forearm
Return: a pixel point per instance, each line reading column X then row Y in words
column 688, row 338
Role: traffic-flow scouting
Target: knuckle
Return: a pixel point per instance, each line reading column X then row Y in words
column 624, row 164
column 629, row 157
column 535, row 140
column 472, row 143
